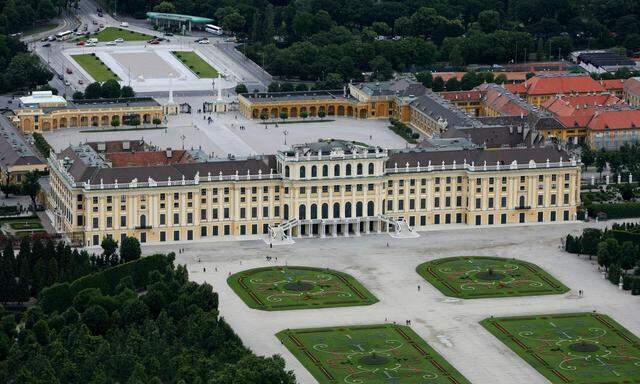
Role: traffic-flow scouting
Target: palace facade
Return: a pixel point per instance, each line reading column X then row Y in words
column 328, row 188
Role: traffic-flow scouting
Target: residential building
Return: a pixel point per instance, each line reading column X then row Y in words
column 632, row 91
column 16, row 156
column 540, row 88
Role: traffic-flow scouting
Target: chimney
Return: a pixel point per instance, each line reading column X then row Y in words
column 169, row 153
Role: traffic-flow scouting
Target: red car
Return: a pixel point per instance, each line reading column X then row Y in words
column 154, row 42
column 81, row 42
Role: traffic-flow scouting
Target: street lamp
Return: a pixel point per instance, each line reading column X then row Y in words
column 285, row 133
column 183, row 137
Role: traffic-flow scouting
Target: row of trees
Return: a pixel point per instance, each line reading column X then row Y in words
column 19, row 16
column 110, row 89
column 619, row 258
column 622, row 161
column 170, row 332
column 40, row 263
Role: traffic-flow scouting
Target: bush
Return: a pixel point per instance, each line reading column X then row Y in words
column 635, row 286
column 627, row 280
column 616, row 210
column 57, row 297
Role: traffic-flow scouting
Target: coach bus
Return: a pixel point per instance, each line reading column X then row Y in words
column 64, row 35
column 214, row 29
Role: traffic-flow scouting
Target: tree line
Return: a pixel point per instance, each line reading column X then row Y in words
column 310, row 39
column 40, row 263
column 158, row 329
column 20, row 70
column 110, row 89
column 617, row 251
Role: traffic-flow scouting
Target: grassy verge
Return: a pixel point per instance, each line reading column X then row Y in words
column 25, row 225
column 95, row 67
column 196, row 64
column 112, row 33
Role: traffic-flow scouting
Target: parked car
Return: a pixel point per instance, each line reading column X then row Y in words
column 45, row 45
column 119, row 40
column 80, row 82
column 67, row 83
column 60, row 77
column 111, row 43
column 124, row 24
column 69, row 71
column 94, row 22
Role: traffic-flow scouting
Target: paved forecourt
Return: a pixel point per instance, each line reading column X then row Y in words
column 371, row 354
column 473, row 277
column 282, row 288
column 577, row 348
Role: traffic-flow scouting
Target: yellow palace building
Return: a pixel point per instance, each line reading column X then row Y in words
column 42, row 111
column 328, row 188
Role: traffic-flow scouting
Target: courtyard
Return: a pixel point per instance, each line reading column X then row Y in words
column 451, row 326
column 224, row 135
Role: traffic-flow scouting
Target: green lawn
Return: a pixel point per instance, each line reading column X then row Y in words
column 282, row 288
column 25, row 225
column 375, row 354
column 472, row 277
column 194, row 62
column 95, row 67
column 112, row 33
column 577, row 348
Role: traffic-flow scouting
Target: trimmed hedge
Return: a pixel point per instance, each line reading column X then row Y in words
column 616, row 210
column 401, row 129
column 623, row 236
column 60, row 296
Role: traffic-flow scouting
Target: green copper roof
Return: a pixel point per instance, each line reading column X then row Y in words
column 177, row 17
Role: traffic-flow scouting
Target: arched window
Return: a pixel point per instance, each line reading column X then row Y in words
column 303, row 172
column 521, row 201
column 286, row 211
column 336, row 170
column 370, row 208
column 143, row 221
column 359, row 169
column 359, row 209
column 347, row 172
column 336, row 210
column 314, row 211
column 286, row 171
column 371, row 168
column 325, row 171
column 325, row 211
column 302, row 212
column 347, row 209
column 314, row 171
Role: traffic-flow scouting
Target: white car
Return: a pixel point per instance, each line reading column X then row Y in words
column 90, row 44
column 67, row 83
column 111, row 43
column 119, row 40
column 203, row 41
column 124, row 24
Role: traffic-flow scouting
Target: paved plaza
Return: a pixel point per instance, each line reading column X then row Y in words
column 224, row 136
column 451, row 326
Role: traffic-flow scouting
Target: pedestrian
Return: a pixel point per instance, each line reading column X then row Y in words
column 276, row 258
column 199, row 260
column 387, row 244
column 204, row 269
column 418, row 288
column 270, row 245
column 216, row 269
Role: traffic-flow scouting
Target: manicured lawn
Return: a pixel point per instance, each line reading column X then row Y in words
column 375, row 354
column 471, row 277
column 25, row 225
column 112, row 33
column 95, row 67
column 577, row 348
column 282, row 288
column 194, row 62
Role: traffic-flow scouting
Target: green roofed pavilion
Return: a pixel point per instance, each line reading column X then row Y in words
column 168, row 19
